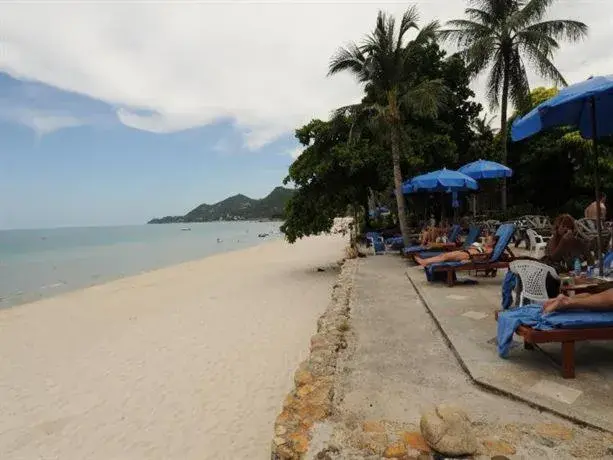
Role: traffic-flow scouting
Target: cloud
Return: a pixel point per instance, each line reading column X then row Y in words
column 174, row 66
column 45, row 123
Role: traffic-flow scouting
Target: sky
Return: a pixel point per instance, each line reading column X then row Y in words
column 116, row 112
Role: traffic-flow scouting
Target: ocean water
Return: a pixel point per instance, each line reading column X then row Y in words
column 42, row 263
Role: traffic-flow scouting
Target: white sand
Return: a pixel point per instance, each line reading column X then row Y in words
column 188, row 362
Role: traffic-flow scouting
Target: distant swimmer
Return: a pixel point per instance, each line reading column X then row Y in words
column 219, row 240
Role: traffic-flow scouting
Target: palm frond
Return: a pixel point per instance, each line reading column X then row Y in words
column 519, row 88
column 427, row 33
column 409, row 21
column 560, row 29
column 426, row 99
column 479, row 55
column 464, row 32
column 540, row 59
column 349, row 58
column 537, row 39
column 532, row 12
column 480, row 16
column 494, row 80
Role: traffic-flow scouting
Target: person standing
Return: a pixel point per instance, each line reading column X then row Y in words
column 591, row 210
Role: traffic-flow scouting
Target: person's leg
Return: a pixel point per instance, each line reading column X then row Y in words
column 603, row 301
column 453, row 256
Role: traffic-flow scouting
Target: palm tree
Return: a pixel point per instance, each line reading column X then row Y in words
column 499, row 34
column 482, row 127
column 383, row 64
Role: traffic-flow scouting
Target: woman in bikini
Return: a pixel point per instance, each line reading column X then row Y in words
column 476, row 249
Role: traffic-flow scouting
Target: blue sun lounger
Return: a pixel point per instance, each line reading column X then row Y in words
column 452, row 235
column 376, row 241
column 499, row 258
column 565, row 327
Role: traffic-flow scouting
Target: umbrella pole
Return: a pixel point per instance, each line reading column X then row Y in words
column 597, row 186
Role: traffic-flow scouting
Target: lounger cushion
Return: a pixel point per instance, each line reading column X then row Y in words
column 532, row 316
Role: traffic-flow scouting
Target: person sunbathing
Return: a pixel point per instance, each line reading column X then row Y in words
column 482, row 251
column 430, row 235
column 603, row 301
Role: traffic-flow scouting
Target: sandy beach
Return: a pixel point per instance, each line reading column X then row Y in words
column 191, row 361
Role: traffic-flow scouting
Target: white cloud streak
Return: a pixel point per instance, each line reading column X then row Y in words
column 193, row 63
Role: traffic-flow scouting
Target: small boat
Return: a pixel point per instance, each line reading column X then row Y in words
column 262, row 235
column 186, row 229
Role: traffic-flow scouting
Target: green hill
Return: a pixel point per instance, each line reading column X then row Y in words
column 237, row 207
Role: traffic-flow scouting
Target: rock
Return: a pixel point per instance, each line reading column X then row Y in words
column 498, row 446
column 415, row 440
column 303, row 375
column 448, row 430
column 554, row 431
column 545, row 441
column 371, row 426
column 300, row 442
column 280, row 430
column 499, row 457
column 279, row 440
column 305, row 390
column 374, row 442
column 395, row 450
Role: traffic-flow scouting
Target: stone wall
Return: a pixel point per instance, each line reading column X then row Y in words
column 310, row 401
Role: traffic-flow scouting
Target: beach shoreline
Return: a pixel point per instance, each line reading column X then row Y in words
column 187, row 361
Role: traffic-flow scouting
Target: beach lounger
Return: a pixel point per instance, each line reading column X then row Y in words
column 558, row 327
column 499, row 258
column 375, row 240
column 473, row 233
column 452, row 236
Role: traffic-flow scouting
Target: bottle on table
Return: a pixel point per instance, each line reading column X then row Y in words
column 577, row 267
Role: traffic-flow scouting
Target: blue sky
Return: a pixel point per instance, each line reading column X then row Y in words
column 66, row 159
column 115, row 112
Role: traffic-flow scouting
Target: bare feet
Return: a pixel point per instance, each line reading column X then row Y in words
column 555, row 304
column 420, row 261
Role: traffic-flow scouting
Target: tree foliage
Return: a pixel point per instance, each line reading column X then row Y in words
column 330, row 175
column 501, row 35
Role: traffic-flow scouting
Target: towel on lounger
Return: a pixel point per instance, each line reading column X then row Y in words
column 533, row 316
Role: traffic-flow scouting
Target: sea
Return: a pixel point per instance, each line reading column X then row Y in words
column 35, row 264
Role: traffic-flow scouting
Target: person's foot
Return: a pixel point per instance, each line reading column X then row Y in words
column 554, row 304
column 420, row 261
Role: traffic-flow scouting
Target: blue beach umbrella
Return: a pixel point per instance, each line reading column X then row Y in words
column 484, row 169
column 588, row 106
column 443, row 180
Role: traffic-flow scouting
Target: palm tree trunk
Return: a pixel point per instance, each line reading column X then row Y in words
column 402, row 218
column 504, row 132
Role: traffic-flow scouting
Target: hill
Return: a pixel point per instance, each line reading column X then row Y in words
column 237, row 207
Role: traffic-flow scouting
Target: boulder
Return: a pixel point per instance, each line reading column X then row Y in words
column 448, row 430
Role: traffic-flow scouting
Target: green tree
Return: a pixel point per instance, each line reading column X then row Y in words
column 331, row 175
column 499, row 34
column 384, row 63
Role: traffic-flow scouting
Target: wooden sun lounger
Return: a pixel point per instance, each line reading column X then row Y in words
column 567, row 337
column 487, row 267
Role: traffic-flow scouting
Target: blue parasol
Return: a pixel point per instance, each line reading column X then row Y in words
column 443, row 180
column 484, row 169
column 588, row 106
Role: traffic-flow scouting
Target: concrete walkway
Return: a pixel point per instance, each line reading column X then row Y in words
column 397, row 364
column 466, row 316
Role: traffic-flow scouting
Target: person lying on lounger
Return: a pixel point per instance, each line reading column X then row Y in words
column 482, row 251
column 603, row 301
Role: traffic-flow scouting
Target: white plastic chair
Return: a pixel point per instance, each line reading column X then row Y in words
column 537, row 243
column 533, row 277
